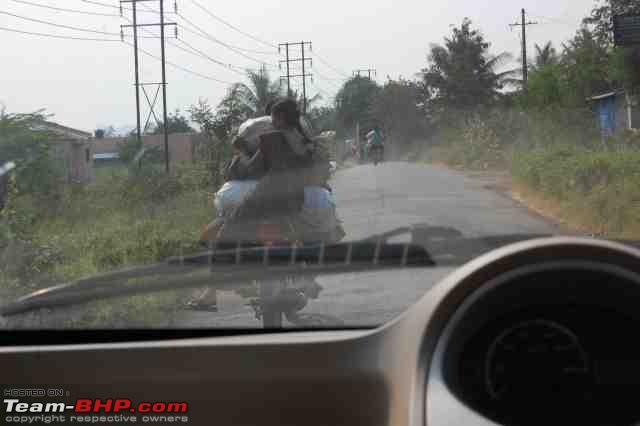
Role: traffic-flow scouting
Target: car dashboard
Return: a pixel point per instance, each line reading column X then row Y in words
column 539, row 332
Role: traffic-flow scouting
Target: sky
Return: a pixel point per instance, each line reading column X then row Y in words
column 90, row 84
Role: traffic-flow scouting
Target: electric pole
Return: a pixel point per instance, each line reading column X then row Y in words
column 525, row 68
column 162, row 84
column 288, row 77
column 369, row 71
column 137, row 76
column 303, row 59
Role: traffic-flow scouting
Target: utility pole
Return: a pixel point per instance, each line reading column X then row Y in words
column 302, row 59
column 525, row 68
column 164, row 89
column 369, row 71
column 286, row 46
column 304, row 83
column 162, row 84
column 137, row 76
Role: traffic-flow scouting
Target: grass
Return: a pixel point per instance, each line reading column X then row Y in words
column 592, row 187
column 467, row 157
column 107, row 226
column 600, row 189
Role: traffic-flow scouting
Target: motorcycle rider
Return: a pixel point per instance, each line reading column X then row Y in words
column 290, row 160
column 375, row 140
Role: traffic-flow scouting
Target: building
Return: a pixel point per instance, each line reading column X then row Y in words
column 182, row 146
column 617, row 111
column 72, row 148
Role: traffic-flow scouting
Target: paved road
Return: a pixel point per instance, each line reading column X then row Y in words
column 377, row 199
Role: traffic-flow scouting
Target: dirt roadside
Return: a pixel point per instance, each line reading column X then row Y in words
column 548, row 210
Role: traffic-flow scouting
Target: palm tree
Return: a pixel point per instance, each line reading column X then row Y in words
column 311, row 101
column 502, row 78
column 546, row 55
column 258, row 92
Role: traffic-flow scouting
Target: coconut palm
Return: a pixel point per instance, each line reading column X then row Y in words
column 545, row 55
column 258, row 92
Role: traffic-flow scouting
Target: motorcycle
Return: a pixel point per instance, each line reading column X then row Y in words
column 273, row 301
column 376, row 154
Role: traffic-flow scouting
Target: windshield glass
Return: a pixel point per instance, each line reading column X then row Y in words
column 140, row 139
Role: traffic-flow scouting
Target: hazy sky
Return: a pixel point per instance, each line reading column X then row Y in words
column 89, row 84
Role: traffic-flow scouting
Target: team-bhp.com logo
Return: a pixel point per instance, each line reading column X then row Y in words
column 94, row 411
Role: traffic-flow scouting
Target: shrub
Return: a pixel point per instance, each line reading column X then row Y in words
column 603, row 185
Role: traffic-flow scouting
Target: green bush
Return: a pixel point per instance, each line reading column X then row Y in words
column 603, row 185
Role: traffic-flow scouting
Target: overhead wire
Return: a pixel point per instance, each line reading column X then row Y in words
column 61, row 9
column 57, row 36
column 98, row 3
column 180, row 67
column 233, row 27
column 203, row 55
column 193, row 51
column 68, row 27
column 327, row 80
column 326, row 63
column 209, row 37
column 323, row 92
column 554, row 20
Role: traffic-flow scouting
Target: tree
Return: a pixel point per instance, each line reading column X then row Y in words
column 232, row 111
column 545, row 55
column 397, row 108
column 462, row 74
column 176, row 123
column 354, row 102
column 215, row 151
column 132, row 148
column 254, row 97
column 601, row 18
column 586, row 66
column 202, row 114
column 625, row 62
column 23, row 142
column 106, row 132
column 545, row 86
column 322, row 118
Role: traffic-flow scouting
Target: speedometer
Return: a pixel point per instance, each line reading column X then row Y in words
column 536, row 360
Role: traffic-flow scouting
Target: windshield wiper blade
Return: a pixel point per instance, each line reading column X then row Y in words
column 222, row 268
column 231, row 264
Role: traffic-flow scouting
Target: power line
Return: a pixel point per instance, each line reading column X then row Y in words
column 193, row 51
column 97, row 3
column 56, row 36
column 324, row 61
column 204, row 34
column 215, row 40
column 328, row 80
column 233, row 27
column 87, row 30
column 203, row 55
column 199, row 34
column 180, row 67
column 321, row 90
column 555, row 20
column 60, row 9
